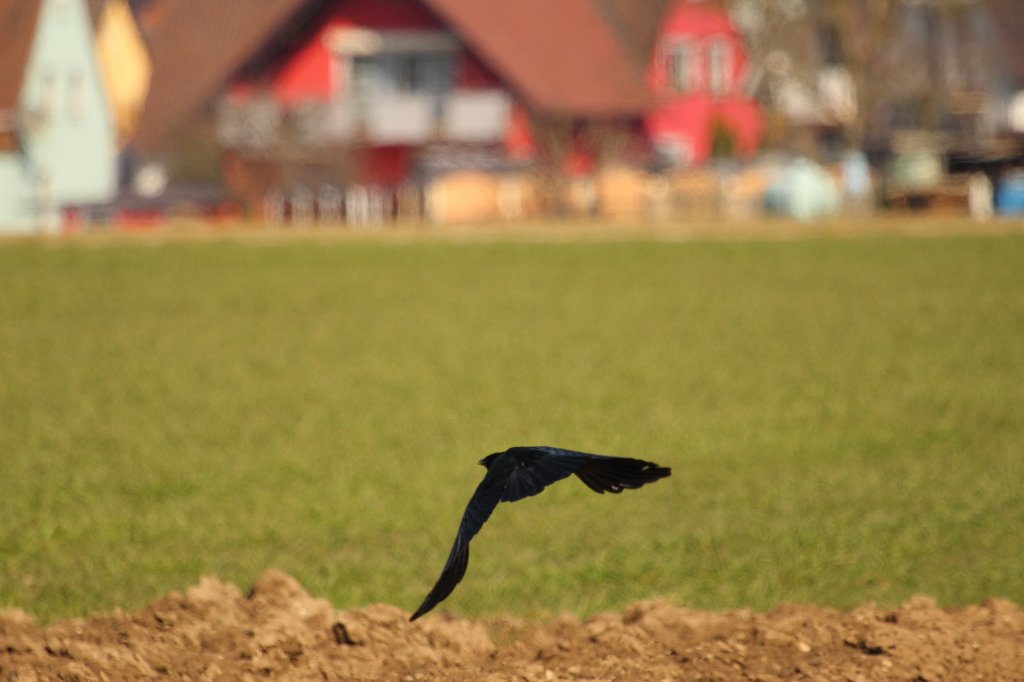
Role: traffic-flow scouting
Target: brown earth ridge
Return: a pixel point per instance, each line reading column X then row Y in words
column 213, row 631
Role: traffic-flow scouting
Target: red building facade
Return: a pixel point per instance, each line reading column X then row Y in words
column 398, row 82
column 698, row 72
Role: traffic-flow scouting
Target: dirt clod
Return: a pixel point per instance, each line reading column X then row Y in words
column 213, row 631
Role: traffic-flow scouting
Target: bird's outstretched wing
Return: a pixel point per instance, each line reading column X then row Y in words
column 524, row 471
column 479, row 509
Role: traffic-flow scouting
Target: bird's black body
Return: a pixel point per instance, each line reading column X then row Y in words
column 524, row 471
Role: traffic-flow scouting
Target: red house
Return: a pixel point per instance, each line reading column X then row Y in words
column 384, row 77
column 698, row 72
column 405, row 86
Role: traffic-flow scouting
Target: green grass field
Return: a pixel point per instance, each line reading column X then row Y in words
column 844, row 419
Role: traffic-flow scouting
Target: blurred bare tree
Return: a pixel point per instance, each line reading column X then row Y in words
column 554, row 138
column 866, row 67
column 864, row 32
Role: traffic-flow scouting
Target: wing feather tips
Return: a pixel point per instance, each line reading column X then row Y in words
column 451, row 576
column 592, row 482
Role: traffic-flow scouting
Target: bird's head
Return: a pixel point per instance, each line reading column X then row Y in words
column 489, row 459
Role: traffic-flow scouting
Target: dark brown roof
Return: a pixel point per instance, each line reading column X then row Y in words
column 560, row 55
column 196, row 46
column 18, row 21
column 636, row 22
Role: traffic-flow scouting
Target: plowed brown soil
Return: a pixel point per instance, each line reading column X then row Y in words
column 213, row 631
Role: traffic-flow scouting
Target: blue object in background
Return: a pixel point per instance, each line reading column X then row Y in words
column 856, row 175
column 1009, row 198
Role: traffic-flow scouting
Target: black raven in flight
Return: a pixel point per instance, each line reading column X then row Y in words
column 524, row 471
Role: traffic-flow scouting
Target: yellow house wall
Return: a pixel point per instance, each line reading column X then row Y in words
column 125, row 64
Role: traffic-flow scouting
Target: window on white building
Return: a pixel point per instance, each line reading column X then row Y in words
column 76, row 95
column 48, row 94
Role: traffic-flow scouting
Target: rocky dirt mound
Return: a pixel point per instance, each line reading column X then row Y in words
column 214, row 632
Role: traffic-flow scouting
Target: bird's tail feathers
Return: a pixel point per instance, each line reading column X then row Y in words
column 616, row 474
